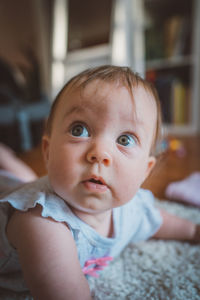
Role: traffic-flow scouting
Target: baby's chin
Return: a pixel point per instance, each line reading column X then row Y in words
column 90, row 209
column 80, row 210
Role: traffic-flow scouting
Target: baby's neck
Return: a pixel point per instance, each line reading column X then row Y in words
column 106, row 227
column 101, row 223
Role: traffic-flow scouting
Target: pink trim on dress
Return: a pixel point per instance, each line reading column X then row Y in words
column 99, row 264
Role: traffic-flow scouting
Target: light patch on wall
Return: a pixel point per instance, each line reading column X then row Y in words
column 60, row 29
column 60, row 33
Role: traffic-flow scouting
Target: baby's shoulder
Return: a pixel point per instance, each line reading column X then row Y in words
column 31, row 225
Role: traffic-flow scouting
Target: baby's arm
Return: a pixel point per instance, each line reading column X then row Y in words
column 176, row 228
column 48, row 257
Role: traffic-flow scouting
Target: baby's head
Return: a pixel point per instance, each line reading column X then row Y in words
column 122, row 76
column 100, row 138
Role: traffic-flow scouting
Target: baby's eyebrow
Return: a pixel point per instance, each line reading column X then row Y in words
column 80, row 108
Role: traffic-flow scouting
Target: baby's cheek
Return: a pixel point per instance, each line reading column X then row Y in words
column 131, row 183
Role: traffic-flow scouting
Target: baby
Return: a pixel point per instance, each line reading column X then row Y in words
column 99, row 148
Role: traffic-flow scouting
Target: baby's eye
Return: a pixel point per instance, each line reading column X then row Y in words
column 79, row 130
column 126, row 140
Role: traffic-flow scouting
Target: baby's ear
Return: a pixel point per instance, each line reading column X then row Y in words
column 150, row 165
column 45, row 148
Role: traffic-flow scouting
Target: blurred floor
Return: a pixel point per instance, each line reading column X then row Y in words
column 170, row 167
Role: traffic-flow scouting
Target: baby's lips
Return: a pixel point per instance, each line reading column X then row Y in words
column 97, row 179
column 95, row 184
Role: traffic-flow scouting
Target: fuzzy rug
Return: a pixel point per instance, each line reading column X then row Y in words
column 156, row 270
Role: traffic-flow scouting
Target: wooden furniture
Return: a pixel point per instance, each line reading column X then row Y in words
column 170, row 167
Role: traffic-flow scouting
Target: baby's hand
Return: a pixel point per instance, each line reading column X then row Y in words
column 196, row 238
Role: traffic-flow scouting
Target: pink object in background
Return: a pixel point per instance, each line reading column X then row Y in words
column 186, row 190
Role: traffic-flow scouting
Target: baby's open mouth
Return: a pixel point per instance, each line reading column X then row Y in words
column 96, row 184
column 95, row 181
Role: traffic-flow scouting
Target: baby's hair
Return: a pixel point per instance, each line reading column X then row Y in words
column 109, row 73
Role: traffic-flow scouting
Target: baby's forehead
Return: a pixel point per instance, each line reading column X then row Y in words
column 101, row 87
column 97, row 93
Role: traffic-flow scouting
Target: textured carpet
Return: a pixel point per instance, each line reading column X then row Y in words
column 156, row 270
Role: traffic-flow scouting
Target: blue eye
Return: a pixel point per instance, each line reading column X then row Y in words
column 79, row 130
column 126, row 140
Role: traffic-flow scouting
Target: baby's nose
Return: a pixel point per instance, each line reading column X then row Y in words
column 99, row 155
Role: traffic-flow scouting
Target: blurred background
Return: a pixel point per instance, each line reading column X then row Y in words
column 45, row 42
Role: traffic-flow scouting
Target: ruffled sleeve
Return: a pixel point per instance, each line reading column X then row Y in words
column 40, row 192
column 140, row 217
column 150, row 217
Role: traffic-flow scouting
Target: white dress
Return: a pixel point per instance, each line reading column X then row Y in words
column 135, row 221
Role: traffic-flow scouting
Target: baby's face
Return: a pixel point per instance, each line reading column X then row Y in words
column 98, row 153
